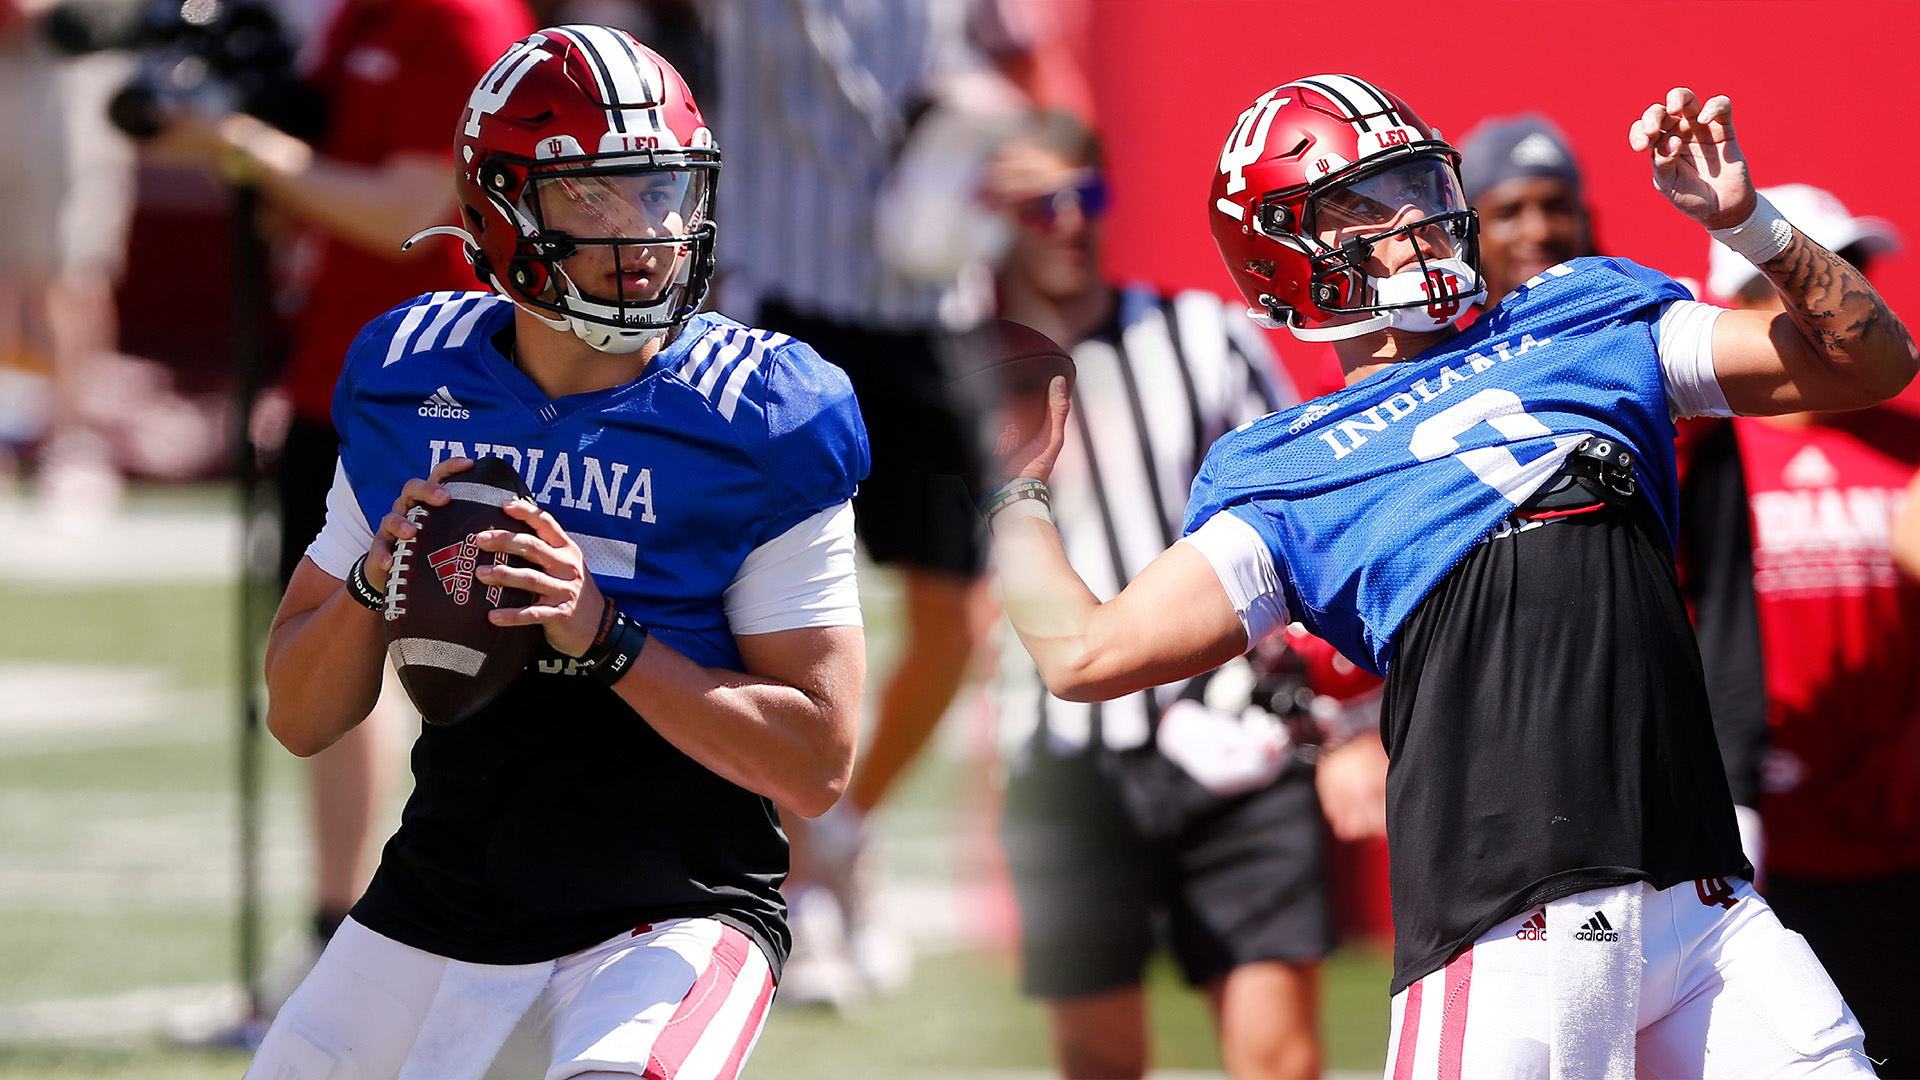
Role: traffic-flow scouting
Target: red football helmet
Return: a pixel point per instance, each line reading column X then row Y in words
column 586, row 186
column 1315, row 175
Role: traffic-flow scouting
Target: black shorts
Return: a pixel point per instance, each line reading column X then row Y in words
column 302, row 479
column 909, row 510
column 1243, row 882
column 1871, row 952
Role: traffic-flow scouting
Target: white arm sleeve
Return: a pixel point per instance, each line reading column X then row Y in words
column 804, row 577
column 1686, row 359
column 1246, row 570
column 346, row 536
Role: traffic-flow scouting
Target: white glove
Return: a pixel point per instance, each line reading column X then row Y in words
column 1226, row 754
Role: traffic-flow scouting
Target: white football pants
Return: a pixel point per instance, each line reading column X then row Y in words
column 1726, row 992
column 678, row 1000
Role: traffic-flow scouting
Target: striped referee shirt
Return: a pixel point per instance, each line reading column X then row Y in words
column 1153, row 391
column 813, row 106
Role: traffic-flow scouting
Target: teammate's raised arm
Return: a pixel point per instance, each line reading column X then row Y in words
column 1171, row 622
column 1838, row 345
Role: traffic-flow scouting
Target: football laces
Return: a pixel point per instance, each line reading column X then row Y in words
column 397, row 576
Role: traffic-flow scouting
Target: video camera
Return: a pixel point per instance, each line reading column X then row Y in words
column 214, row 55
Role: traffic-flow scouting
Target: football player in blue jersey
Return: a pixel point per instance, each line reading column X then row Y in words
column 1485, row 516
column 600, row 844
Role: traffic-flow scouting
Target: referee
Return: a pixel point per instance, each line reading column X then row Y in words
column 1108, row 839
column 817, row 99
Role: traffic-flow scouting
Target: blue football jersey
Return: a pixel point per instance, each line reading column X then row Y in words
column 731, row 437
column 1368, row 497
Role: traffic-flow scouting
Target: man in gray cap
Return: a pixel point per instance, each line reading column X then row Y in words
column 1521, row 177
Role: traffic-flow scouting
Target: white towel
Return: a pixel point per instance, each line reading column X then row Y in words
column 1593, row 945
column 472, row 1014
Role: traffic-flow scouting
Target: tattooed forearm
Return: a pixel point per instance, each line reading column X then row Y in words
column 1840, row 313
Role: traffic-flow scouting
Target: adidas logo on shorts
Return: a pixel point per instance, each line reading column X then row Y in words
column 1597, row 929
column 441, row 403
column 1534, row 929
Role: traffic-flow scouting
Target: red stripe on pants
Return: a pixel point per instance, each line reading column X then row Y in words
column 1453, row 1015
column 749, row 1033
column 1409, row 1034
column 697, row 1009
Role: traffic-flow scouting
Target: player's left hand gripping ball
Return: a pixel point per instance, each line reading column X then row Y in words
column 1006, row 378
column 452, row 659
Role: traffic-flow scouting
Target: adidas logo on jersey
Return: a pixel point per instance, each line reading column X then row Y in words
column 1597, row 929
column 441, row 403
column 1809, row 468
column 1534, row 929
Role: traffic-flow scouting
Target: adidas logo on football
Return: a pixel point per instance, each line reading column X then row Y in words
column 1597, row 929
column 1534, row 929
column 454, row 566
column 441, row 403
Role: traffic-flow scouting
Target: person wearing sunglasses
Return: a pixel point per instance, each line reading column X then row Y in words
column 1178, row 811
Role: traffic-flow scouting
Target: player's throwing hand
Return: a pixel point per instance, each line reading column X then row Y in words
column 567, row 604
column 1047, row 445
column 1697, row 164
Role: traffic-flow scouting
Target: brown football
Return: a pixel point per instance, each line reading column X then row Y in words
column 451, row 659
column 1003, row 370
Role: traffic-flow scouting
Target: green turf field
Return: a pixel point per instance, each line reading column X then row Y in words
column 118, row 869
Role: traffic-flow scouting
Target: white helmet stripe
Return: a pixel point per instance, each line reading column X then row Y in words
column 617, row 70
column 635, row 77
column 1361, row 99
column 1361, row 90
column 1339, row 94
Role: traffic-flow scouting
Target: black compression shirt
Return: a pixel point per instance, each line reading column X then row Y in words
column 1549, row 733
column 557, row 818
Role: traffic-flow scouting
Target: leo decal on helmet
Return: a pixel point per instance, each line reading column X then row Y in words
column 586, row 186
column 1315, row 176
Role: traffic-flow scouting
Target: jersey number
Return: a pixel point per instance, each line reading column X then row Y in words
column 1438, row 436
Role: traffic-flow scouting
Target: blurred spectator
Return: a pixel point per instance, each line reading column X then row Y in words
column 67, row 179
column 830, row 112
column 1836, row 636
column 1179, row 809
column 394, row 76
column 1520, row 175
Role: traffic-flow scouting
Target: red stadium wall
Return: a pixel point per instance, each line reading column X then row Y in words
column 1822, row 93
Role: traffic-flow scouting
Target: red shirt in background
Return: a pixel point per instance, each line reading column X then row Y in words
column 396, row 74
column 1840, row 632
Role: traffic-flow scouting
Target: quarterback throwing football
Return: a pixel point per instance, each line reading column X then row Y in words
column 1485, row 515
column 600, row 845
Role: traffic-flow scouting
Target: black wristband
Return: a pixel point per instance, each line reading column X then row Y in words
column 362, row 590
column 615, row 647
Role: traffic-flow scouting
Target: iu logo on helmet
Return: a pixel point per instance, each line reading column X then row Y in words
column 1009, row 441
column 1442, row 283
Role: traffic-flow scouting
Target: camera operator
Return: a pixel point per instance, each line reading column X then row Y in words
column 393, row 76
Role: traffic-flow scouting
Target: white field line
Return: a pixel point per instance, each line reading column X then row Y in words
column 46, row 705
column 132, row 547
column 112, row 851
column 132, row 1014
